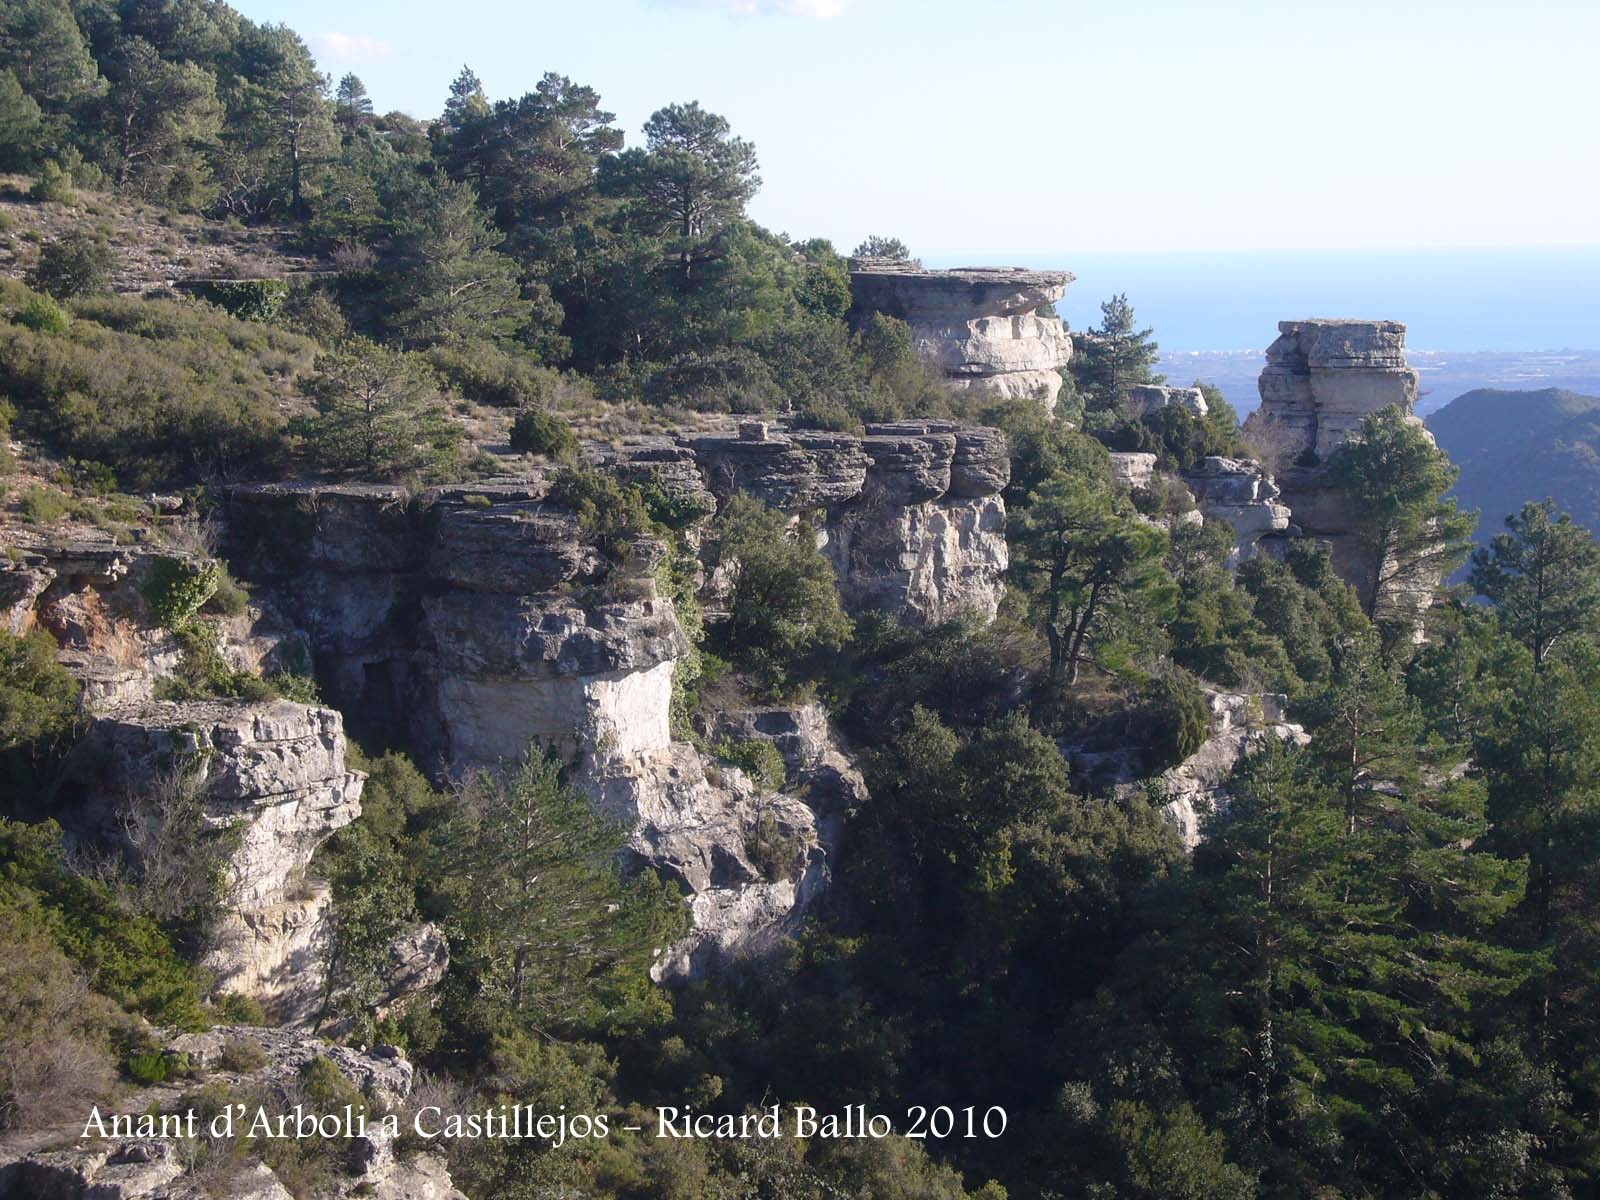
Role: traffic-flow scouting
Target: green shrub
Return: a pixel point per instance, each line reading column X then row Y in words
column 87, row 477
column 75, row 264
column 229, row 599
column 44, row 505
column 148, row 1067
column 176, row 589
column 242, row 1055
column 783, row 602
column 773, row 851
column 827, row 415
column 233, row 1008
column 247, row 299
column 127, row 957
column 53, row 185
column 731, row 380
column 38, row 696
column 538, row 432
column 42, row 315
column 612, row 514
column 1177, row 718
column 302, row 689
column 486, row 373
column 757, row 758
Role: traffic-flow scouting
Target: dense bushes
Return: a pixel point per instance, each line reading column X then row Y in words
column 125, row 956
column 160, row 391
column 75, row 264
column 783, row 600
column 247, row 299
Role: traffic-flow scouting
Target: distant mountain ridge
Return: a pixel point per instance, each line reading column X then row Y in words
column 1516, row 446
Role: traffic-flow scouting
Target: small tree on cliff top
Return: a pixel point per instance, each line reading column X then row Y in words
column 378, row 413
column 1107, row 361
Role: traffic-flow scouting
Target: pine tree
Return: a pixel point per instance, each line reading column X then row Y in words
column 378, row 413
column 1109, row 360
column 878, row 246
column 1394, row 480
column 352, row 107
column 1543, row 577
column 1346, row 974
column 545, row 921
column 156, row 115
column 447, row 282
column 691, row 178
column 1080, row 551
column 466, row 100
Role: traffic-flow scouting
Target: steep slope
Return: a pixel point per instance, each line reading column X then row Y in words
column 1516, row 446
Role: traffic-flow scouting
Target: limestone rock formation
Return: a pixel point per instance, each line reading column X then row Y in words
column 87, row 595
column 154, row 1169
column 1239, row 722
column 982, row 325
column 493, row 623
column 1147, row 398
column 1321, row 379
column 1237, row 491
column 1134, row 470
column 910, row 515
column 274, row 775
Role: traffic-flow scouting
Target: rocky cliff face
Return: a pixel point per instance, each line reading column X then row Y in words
column 87, row 596
column 480, row 619
column 272, row 775
column 1322, row 378
column 910, row 515
column 982, row 325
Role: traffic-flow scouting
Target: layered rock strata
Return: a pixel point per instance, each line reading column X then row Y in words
column 1238, row 492
column 988, row 328
column 1322, row 379
column 87, row 595
column 272, row 775
column 910, row 515
column 481, row 620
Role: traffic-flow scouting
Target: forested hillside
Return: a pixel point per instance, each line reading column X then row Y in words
column 1513, row 445
column 874, row 740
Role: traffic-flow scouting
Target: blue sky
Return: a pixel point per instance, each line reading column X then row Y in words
column 1027, row 129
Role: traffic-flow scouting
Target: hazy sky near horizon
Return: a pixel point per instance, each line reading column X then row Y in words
column 1033, row 128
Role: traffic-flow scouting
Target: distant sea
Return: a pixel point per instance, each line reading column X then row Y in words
column 1475, row 318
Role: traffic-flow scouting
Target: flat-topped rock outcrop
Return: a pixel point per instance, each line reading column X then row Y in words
column 1147, row 398
column 1322, row 379
column 982, row 325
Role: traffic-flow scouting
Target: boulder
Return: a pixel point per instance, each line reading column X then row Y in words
column 1134, row 470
